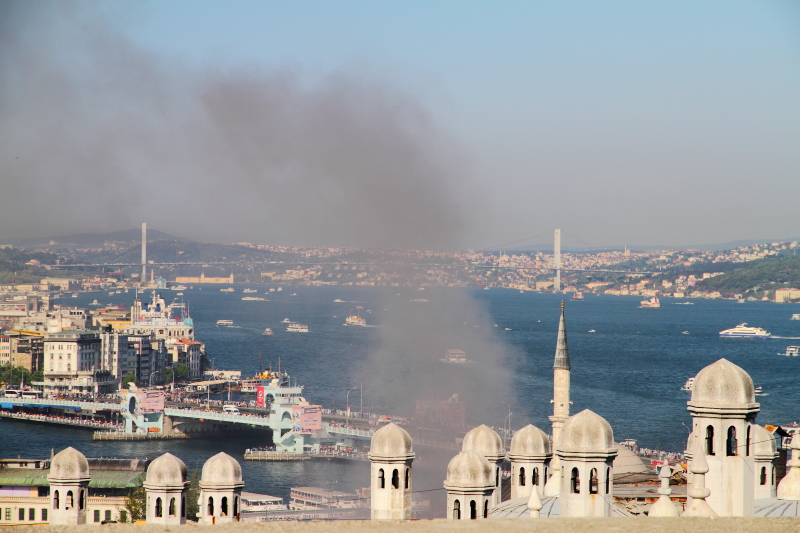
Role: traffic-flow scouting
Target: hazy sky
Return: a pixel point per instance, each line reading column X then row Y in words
column 432, row 124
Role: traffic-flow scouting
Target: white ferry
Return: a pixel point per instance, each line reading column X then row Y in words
column 224, row 322
column 297, row 328
column 355, row 319
column 286, row 321
column 179, row 288
column 250, row 291
column 688, row 385
column 577, row 295
column 758, row 391
column 253, row 299
column 94, row 302
column 267, row 331
column 791, row 351
column 795, row 316
column 742, row 330
column 652, row 303
column 229, row 289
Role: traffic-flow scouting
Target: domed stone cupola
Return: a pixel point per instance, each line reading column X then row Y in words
column 586, row 451
column 530, row 456
column 486, row 442
column 391, row 456
column 724, row 410
column 221, row 486
column 764, row 456
column 166, row 485
column 69, row 487
column 470, row 484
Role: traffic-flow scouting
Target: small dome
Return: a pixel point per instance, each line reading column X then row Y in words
column 626, row 462
column 586, row 432
column 69, row 464
column 485, row 441
column 722, row 384
column 166, row 471
column 391, row 441
column 221, row 470
column 764, row 442
column 529, row 441
column 469, row 469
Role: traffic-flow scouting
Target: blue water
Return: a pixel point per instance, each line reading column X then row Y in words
column 630, row 371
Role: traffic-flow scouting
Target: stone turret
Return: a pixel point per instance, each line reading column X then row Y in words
column 530, row 457
column 220, row 490
column 69, row 488
column 470, row 485
column 391, row 455
column 561, row 402
column 486, row 442
column 789, row 487
column 698, row 506
column 166, row 486
column 663, row 507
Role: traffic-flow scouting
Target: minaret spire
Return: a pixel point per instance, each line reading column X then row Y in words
column 561, row 368
column 562, row 352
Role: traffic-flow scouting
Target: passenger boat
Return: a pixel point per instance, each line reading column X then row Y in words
column 224, row 322
column 229, row 289
column 758, row 391
column 267, row 331
column 286, row 321
column 796, row 316
column 577, row 295
column 742, row 330
column 652, row 303
column 355, row 319
column 253, row 299
column 297, row 328
column 94, row 302
column 791, row 351
column 688, row 385
column 249, row 291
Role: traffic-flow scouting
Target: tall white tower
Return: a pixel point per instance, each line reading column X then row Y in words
column 144, row 253
column 391, row 455
column 561, row 384
column 557, row 261
column 69, row 488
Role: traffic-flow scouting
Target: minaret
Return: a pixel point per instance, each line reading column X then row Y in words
column 560, row 402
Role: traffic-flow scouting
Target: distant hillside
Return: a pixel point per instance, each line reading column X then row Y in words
column 762, row 275
column 92, row 239
column 13, row 265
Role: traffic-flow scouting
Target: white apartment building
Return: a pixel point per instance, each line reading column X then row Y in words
column 72, row 364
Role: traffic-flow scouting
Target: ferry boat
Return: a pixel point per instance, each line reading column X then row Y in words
column 577, row 295
column 688, row 385
column 791, row 351
column 758, row 391
column 795, row 316
column 250, row 291
column 355, row 319
column 229, row 289
column 179, row 288
column 742, row 330
column 267, row 331
column 652, row 303
column 224, row 322
column 94, row 302
column 179, row 294
column 74, row 294
column 592, row 331
column 455, row 356
column 286, row 321
column 338, row 300
column 253, row 299
column 297, row 328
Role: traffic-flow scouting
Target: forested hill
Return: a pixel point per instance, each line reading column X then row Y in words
column 764, row 274
column 13, row 265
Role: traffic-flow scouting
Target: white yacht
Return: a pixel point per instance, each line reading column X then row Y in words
column 795, row 317
column 229, row 289
column 743, row 330
column 267, row 331
column 250, row 291
column 791, row 351
column 758, row 391
column 253, row 299
column 297, row 328
column 688, row 385
column 224, row 322
column 286, row 321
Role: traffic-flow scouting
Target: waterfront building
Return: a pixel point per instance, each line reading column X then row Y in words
column 72, row 364
column 203, row 279
column 391, row 456
column 185, row 351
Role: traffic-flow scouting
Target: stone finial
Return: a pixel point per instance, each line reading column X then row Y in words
column 534, row 503
column 664, row 507
column 789, row 487
column 698, row 491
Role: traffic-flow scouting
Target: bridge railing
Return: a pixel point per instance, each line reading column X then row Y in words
column 63, row 403
column 330, row 428
column 218, row 416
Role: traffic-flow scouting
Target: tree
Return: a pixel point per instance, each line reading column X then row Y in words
column 135, row 503
column 193, row 495
column 129, row 378
column 169, row 375
column 182, row 371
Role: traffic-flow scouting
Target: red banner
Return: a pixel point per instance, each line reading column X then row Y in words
column 260, row 396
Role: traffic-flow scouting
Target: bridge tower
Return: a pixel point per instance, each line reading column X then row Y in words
column 557, row 261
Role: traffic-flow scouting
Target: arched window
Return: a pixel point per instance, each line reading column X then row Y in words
column 486, row 509
column 773, row 475
column 497, row 477
column 210, row 506
column 473, row 510
column 608, row 481
column 456, row 510
column 381, row 479
column 395, row 479
column 82, row 500
column 55, row 500
column 236, row 506
column 521, row 477
column 730, row 442
column 593, row 481
column 183, row 507
column 408, row 479
column 575, row 482
column 747, row 444
column 710, row 440
column 171, row 507
column 159, row 512
column 535, row 477
column 223, row 506
column 70, row 502
column 763, row 479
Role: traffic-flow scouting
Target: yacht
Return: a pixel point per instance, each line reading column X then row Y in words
column 338, row 300
column 224, row 322
column 592, row 331
column 742, row 330
column 229, row 289
column 791, row 351
column 355, row 319
column 795, row 317
column 688, row 385
column 253, row 299
column 577, row 295
column 94, row 302
column 179, row 288
column 297, row 328
column 684, row 332
column 652, row 303
column 179, row 294
column 250, row 291
column 286, row 321
column 758, row 391
column 267, row 331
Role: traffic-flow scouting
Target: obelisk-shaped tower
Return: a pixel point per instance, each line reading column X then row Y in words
column 560, row 401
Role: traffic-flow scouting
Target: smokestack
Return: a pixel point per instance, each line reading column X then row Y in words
column 557, row 261
column 144, row 253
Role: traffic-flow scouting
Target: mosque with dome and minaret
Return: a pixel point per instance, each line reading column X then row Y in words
column 570, row 473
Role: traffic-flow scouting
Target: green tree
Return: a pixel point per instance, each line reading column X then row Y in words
column 193, row 495
column 182, row 371
column 129, row 378
column 135, row 503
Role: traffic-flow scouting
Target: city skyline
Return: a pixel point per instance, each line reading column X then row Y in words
column 402, row 125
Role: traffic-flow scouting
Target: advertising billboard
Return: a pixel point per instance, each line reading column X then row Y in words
column 306, row 419
column 259, row 396
column 150, row 401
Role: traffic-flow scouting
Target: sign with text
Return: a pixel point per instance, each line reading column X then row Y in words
column 260, row 396
column 150, row 401
column 306, row 419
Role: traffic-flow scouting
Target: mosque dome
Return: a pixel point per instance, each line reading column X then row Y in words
column 69, row 464
column 469, row 469
column 722, row 384
column 763, row 441
column 586, row 432
column 529, row 441
column 626, row 462
column 485, row 441
column 222, row 470
column 391, row 441
column 166, row 471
